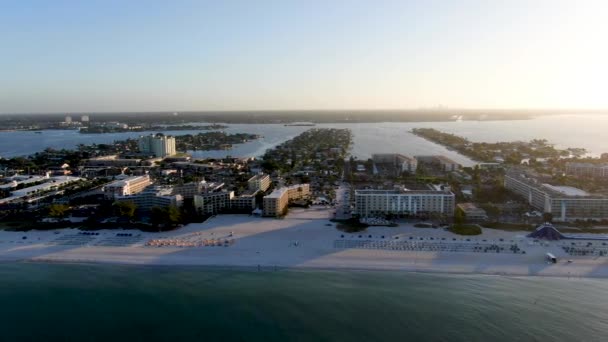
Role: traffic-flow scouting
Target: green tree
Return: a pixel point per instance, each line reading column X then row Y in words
column 174, row 215
column 459, row 216
column 169, row 216
column 58, row 210
column 270, row 165
column 126, row 209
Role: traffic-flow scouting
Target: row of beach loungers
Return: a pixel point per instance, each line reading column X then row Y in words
column 428, row 246
column 86, row 238
column 586, row 251
column 190, row 243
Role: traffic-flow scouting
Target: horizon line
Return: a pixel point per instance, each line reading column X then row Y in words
column 423, row 109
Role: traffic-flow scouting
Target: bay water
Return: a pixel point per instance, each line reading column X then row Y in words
column 586, row 131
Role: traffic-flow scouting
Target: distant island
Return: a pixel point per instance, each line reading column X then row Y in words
column 503, row 152
column 121, row 128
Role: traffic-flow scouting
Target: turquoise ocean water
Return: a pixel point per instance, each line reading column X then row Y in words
column 62, row 302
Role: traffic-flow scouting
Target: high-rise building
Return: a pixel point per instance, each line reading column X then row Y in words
column 158, row 145
column 68, row 119
column 84, row 118
column 374, row 203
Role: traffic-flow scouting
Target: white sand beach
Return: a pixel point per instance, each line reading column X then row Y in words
column 307, row 239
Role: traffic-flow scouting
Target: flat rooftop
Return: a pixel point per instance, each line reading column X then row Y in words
column 401, row 192
column 277, row 193
column 567, row 190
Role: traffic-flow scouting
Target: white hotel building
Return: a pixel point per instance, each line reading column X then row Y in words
column 374, row 203
column 159, row 145
column 126, row 187
column 563, row 202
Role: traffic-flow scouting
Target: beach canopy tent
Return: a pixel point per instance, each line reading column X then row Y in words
column 546, row 231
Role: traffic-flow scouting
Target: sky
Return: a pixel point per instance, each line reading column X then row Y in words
column 114, row 56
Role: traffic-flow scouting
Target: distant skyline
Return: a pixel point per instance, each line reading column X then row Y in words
column 134, row 56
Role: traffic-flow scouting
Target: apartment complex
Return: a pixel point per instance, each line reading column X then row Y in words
column 259, row 182
column 404, row 163
column 564, row 202
column 127, row 186
column 189, row 190
column 212, row 203
column 587, row 170
column 275, row 204
column 153, row 196
column 374, row 203
column 244, row 203
column 158, row 145
column 444, row 163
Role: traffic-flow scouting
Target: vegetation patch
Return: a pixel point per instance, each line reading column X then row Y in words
column 509, row 226
column 351, row 225
column 465, row 229
column 424, row 225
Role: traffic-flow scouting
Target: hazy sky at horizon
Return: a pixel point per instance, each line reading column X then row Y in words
column 84, row 56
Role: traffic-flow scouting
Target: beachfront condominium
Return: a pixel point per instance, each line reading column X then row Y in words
column 444, row 163
column 565, row 203
column 127, row 186
column 244, row 203
column 153, row 196
column 188, row 190
column 158, row 145
column 259, row 182
column 403, row 163
column 275, row 204
column 376, row 203
column 212, row 203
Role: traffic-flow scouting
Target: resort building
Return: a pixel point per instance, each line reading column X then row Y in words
column 189, row 190
column 212, row 203
column 259, row 182
column 244, row 203
column 472, row 213
column 375, row 203
column 298, row 191
column 112, row 160
column 444, row 163
column 275, row 204
column 153, row 196
column 564, row 202
column 404, row 163
column 158, row 145
column 41, row 187
column 587, row 170
column 127, row 186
